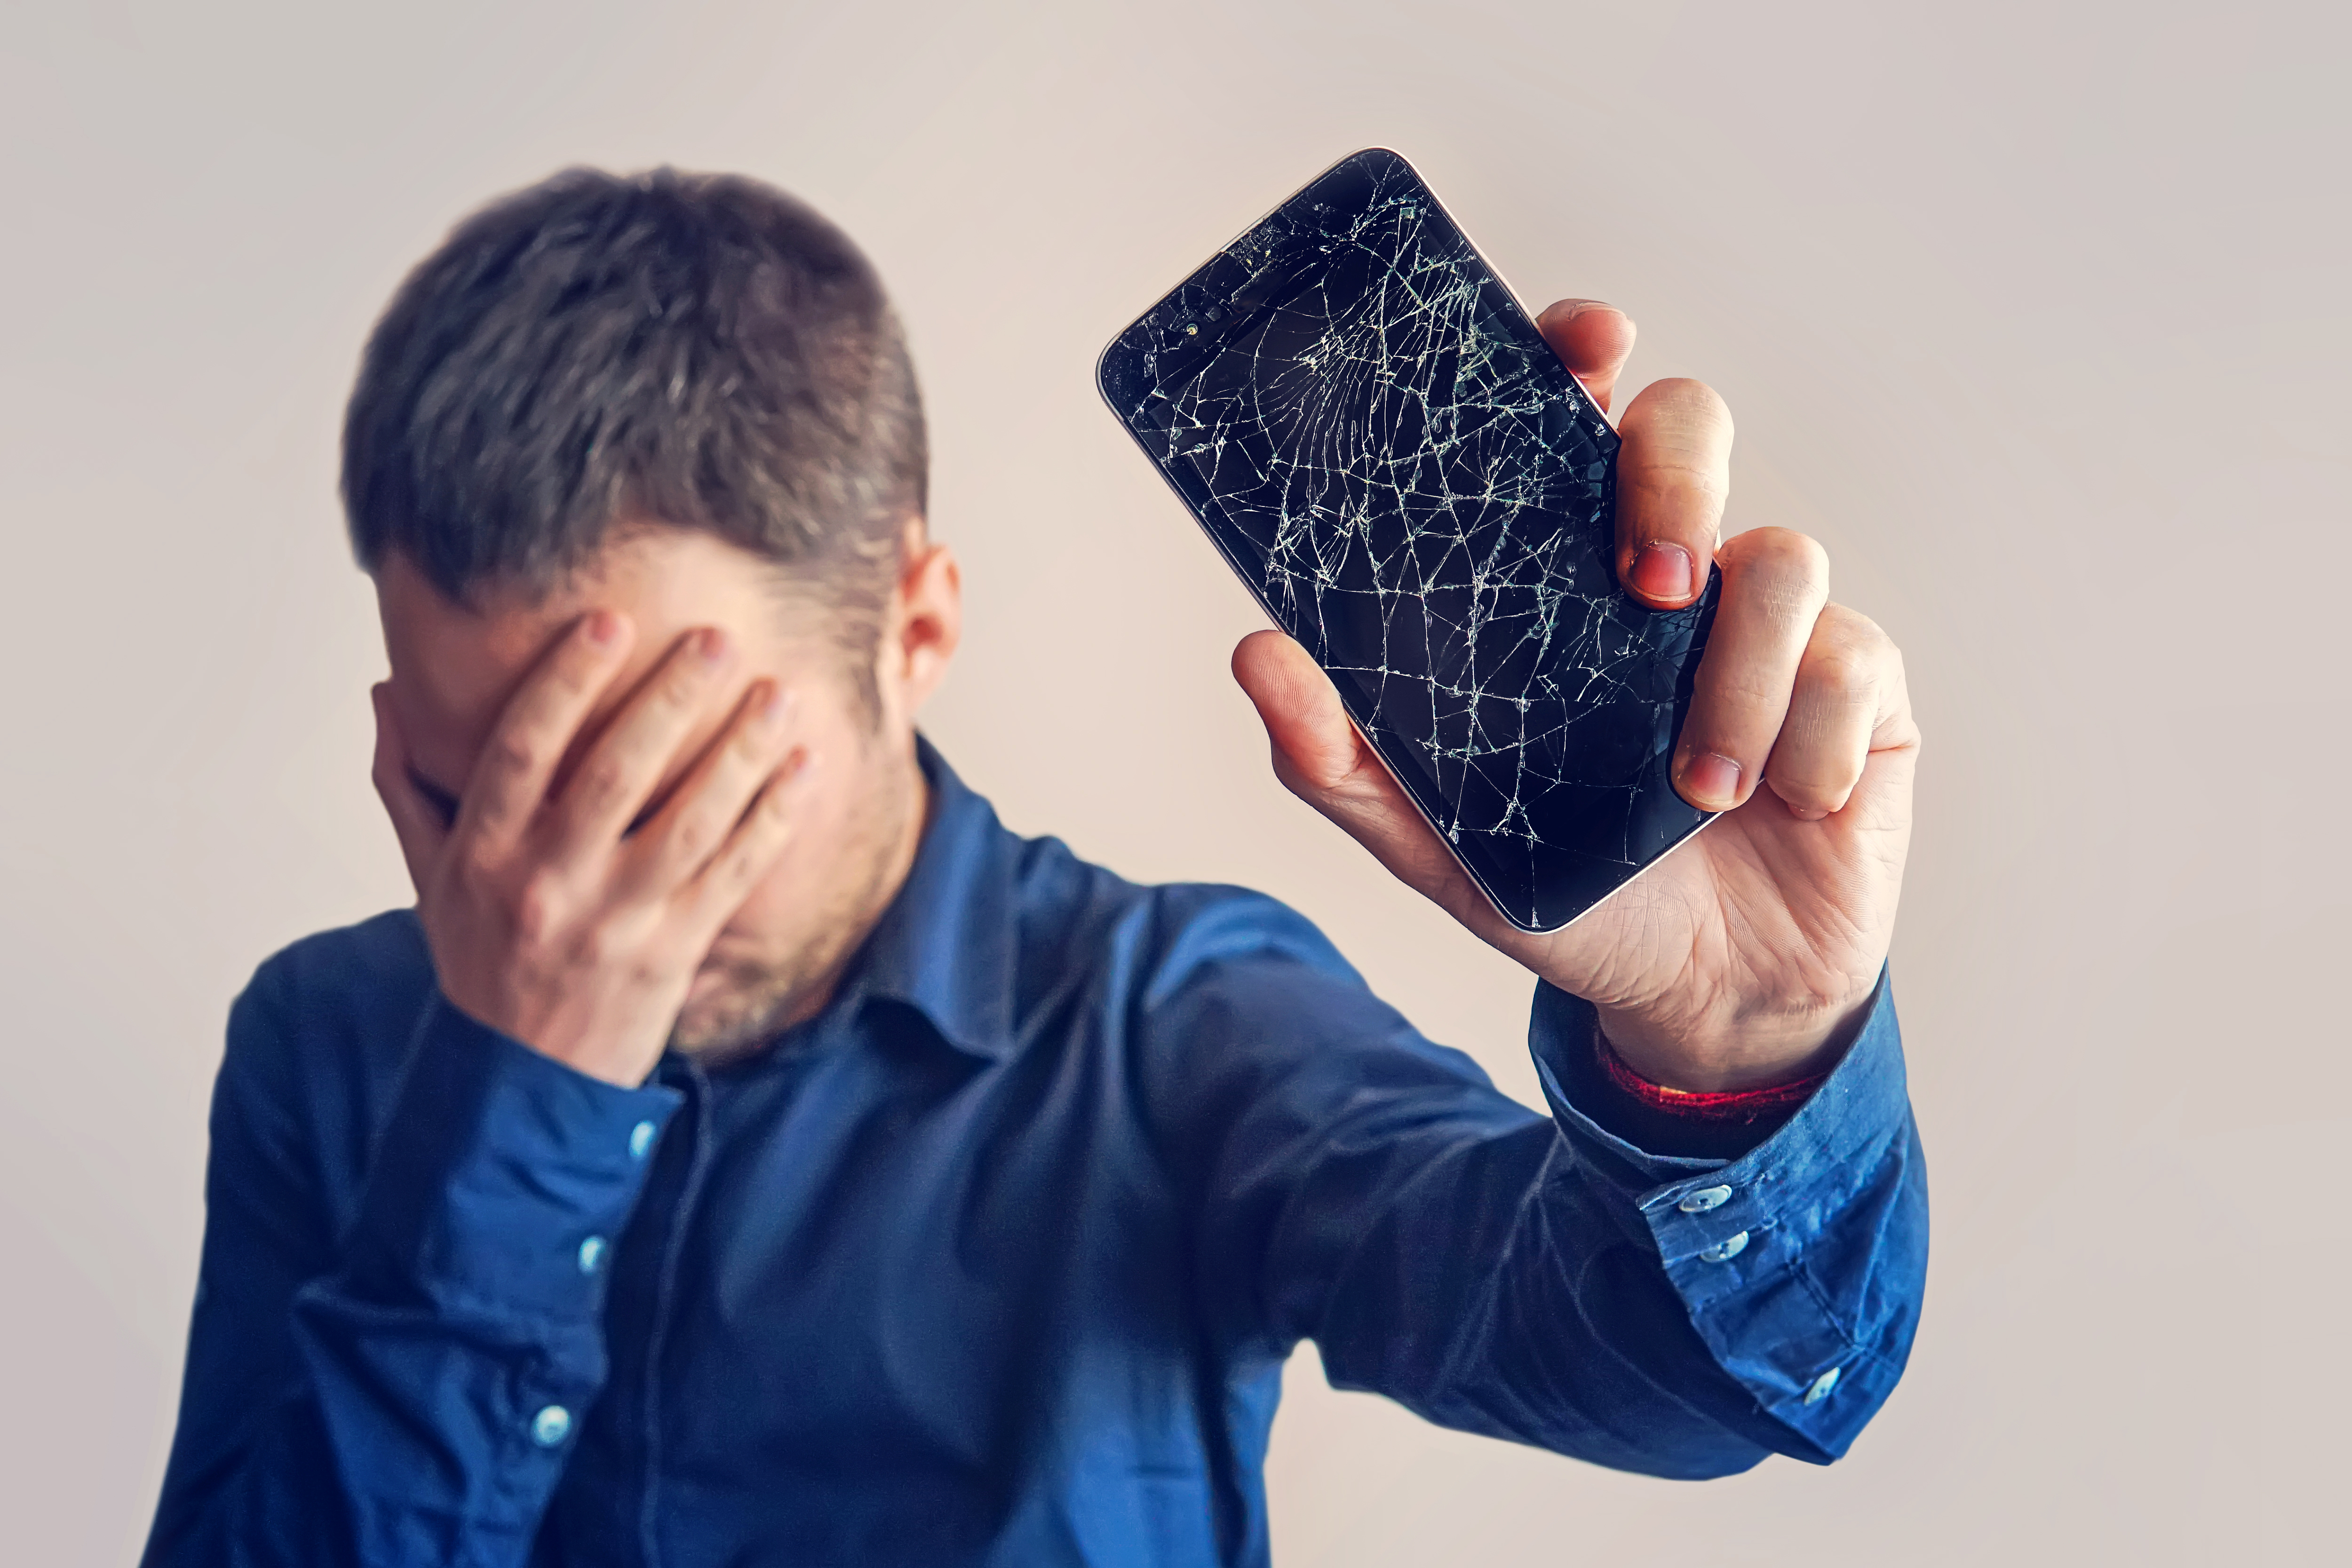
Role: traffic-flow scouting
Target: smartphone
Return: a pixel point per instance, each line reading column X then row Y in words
column 1371, row 430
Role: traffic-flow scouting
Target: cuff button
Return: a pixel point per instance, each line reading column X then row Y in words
column 1725, row 1250
column 1820, row 1387
column 1704, row 1199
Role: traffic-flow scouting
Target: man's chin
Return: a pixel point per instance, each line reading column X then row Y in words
column 728, row 1012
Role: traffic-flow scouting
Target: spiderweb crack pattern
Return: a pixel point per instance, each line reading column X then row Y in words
column 1399, row 467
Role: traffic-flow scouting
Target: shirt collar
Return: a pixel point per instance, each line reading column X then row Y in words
column 945, row 946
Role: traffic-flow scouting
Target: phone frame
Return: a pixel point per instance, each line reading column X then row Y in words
column 1242, row 574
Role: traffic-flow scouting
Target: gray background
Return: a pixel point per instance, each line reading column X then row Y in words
column 2033, row 313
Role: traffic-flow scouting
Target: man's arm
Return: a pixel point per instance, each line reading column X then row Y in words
column 1558, row 1283
column 1531, row 1278
column 405, row 1392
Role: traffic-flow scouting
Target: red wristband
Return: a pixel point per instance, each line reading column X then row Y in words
column 1744, row 1106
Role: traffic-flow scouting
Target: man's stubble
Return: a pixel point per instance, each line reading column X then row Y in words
column 759, row 997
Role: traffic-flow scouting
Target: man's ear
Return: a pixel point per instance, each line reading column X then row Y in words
column 926, row 620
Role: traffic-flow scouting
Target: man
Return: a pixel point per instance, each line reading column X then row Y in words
column 747, row 1151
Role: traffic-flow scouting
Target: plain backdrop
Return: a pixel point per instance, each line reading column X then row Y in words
column 2033, row 313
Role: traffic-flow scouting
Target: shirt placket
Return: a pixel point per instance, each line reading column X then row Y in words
column 688, row 1163
column 613, row 1510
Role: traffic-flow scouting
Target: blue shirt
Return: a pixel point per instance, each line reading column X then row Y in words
column 997, row 1260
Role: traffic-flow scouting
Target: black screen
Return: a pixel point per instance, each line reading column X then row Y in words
column 1375, row 434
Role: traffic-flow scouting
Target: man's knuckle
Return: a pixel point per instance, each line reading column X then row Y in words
column 1747, row 687
column 1845, row 627
column 542, row 899
column 514, row 750
column 692, row 837
column 1786, row 551
column 1785, row 573
column 1805, row 791
column 479, row 864
column 1840, row 677
column 602, row 778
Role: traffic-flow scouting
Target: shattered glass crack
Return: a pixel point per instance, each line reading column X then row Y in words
column 1387, row 452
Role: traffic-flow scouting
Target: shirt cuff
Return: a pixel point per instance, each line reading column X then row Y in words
column 502, row 1177
column 1761, row 1247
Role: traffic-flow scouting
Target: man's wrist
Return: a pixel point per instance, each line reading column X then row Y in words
column 563, row 1030
column 497, row 1166
column 1736, row 1055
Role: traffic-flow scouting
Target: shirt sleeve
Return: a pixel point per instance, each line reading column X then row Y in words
column 404, row 1392
column 1540, row 1279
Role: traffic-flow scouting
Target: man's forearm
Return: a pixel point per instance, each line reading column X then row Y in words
column 1544, row 1279
column 417, row 1400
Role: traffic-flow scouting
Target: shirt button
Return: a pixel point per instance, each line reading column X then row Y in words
column 1821, row 1386
column 551, row 1426
column 1705, row 1199
column 641, row 1139
column 1725, row 1250
column 592, row 1254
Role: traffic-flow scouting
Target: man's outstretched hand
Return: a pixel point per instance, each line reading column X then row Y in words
column 1744, row 958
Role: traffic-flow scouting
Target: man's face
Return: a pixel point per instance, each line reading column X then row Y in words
column 859, row 812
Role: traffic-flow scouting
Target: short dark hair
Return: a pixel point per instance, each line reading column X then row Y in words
column 700, row 351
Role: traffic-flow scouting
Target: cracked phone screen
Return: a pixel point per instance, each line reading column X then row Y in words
column 1372, row 432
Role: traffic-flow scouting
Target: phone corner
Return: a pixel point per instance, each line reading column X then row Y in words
column 1103, row 371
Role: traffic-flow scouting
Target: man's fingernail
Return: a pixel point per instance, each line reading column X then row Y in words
column 711, row 643
column 1597, row 308
column 1662, row 571
column 1711, row 782
column 774, row 705
column 603, row 626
